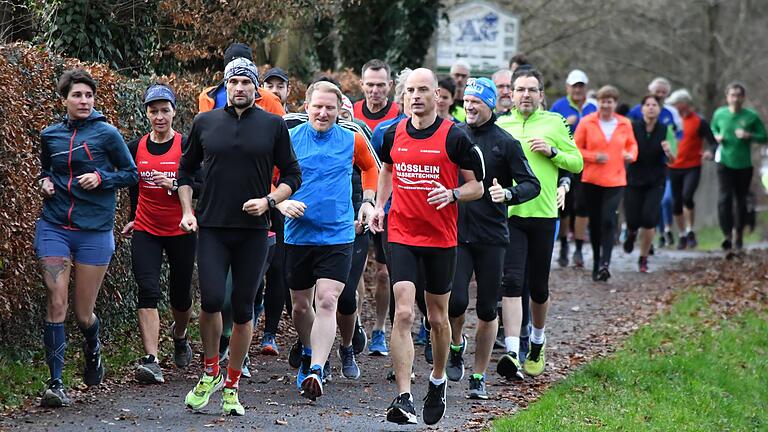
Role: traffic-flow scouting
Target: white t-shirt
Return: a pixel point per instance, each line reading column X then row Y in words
column 608, row 127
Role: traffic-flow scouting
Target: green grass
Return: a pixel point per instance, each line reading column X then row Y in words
column 680, row 373
column 710, row 237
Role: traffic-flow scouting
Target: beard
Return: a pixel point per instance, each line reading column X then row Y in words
column 243, row 103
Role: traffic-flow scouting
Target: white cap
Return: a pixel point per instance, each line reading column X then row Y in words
column 577, row 76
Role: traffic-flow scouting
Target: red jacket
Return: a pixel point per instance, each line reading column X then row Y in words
column 590, row 140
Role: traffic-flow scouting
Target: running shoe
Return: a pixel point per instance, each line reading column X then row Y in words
column 182, row 352
column 525, row 345
column 327, row 371
column 455, row 367
column 269, row 345
column 391, row 375
column 477, row 387
column 349, row 368
column 562, row 260
column 148, row 371
column 295, row 355
column 670, row 238
column 643, row 264
column 536, row 360
column 682, row 243
column 306, row 362
column 726, row 244
column 378, row 345
column 245, row 372
column 578, row 259
column 198, row 397
column 93, row 370
column 691, row 240
column 662, row 241
column 54, row 395
column 421, row 339
column 428, row 352
column 739, row 243
column 401, row 410
column 359, row 338
column 603, row 274
column 230, row 404
column 629, row 242
column 509, row 367
column 434, row 403
column 312, row 385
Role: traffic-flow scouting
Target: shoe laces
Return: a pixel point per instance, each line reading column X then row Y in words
column 347, row 357
column 204, row 385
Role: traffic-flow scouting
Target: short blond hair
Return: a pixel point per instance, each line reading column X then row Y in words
column 608, row 91
column 323, row 87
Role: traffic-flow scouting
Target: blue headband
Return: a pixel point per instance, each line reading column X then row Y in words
column 482, row 88
column 241, row 66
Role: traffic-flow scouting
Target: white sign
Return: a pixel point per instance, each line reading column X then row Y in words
column 479, row 33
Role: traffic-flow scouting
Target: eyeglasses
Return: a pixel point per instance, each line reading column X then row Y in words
column 531, row 90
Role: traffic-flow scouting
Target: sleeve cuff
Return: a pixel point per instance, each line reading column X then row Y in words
column 99, row 176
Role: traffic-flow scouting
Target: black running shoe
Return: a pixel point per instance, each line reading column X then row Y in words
column 691, row 240
column 682, row 242
column 182, row 352
column 455, row 367
column 603, row 274
column 670, row 238
column 562, row 260
column 401, row 411
column 294, row 357
column 93, row 371
column 359, row 338
column 726, row 245
column 148, row 371
column 434, row 403
column 54, row 395
column 477, row 387
column 629, row 242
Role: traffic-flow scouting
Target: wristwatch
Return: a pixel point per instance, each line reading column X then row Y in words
column 175, row 186
column 507, row 195
column 456, row 194
column 554, row 152
column 271, row 202
column 369, row 201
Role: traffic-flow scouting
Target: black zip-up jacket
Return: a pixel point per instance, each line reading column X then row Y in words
column 650, row 167
column 238, row 155
column 484, row 221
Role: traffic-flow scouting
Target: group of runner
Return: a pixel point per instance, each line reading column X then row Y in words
column 450, row 179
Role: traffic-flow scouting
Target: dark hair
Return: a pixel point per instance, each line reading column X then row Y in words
column 327, row 78
column 72, row 77
column 736, row 85
column 520, row 59
column 375, row 64
column 528, row 72
column 622, row 109
column 651, row 96
column 447, row 83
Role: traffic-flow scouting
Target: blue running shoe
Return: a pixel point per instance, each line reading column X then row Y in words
column 349, row 368
column 378, row 345
column 269, row 345
column 312, row 385
column 422, row 338
column 306, row 362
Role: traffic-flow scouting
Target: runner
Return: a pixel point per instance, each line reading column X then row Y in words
column 685, row 171
column 459, row 73
column 735, row 127
column 517, row 61
column 606, row 141
column 154, row 229
column 502, row 79
column 375, row 82
column 483, row 234
column 573, row 106
column 83, row 162
column 241, row 144
column 276, row 81
column 446, row 88
column 422, row 229
column 656, row 146
column 319, row 244
column 548, row 146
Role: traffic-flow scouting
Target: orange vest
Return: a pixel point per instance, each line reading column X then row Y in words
column 265, row 99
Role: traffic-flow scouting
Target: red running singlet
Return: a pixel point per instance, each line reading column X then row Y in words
column 415, row 164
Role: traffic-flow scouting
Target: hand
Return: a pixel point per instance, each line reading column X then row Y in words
column 188, row 223
column 538, row 145
column 627, row 156
column 366, row 213
column 439, row 196
column 497, row 192
column 665, row 146
column 127, row 231
column 46, row 188
column 572, row 119
column 358, row 227
column 256, row 206
column 719, row 138
column 707, row 155
column 561, row 197
column 88, row 181
column 161, row 180
column 291, row 208
column 376, row 223
column 601, row 158
column 741, row 133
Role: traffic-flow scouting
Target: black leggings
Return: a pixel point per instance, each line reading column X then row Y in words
column 684, row 183
column 245, row 251
column 348, row 298
column 733, row 183
column 602, row 204
column 277, row 290
column 269, row 294
column 528, row 257
column 487, row 262
column 642, row 206
column 147, row 259
column 420, row 283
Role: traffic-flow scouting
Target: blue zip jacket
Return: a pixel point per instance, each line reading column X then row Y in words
column 74, row 147
column 565, row 108
column 325, row 159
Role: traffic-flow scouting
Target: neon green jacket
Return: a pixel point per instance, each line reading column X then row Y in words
column 553, row 128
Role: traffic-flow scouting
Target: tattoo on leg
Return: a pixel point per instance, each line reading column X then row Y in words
column 54, row 267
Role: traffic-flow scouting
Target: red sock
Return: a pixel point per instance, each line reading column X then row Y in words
column 212, row 366
column 233, row 378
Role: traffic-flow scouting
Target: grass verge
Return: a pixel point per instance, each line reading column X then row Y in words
column 710, row 237
column 687, row 371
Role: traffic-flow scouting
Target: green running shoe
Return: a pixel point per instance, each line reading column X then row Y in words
column 198, row 397
column 230, row 404
column 535, row 360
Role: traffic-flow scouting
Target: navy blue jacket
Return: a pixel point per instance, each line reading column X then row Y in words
column 74, row 147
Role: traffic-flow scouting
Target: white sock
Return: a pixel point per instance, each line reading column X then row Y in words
column 436, row 381
column 512, row 343
column 537, row 335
